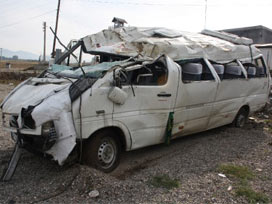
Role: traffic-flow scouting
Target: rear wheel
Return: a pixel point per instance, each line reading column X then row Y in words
column 241, row 118
column 102, row 151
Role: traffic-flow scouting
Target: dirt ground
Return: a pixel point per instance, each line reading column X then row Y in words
column 191, row 161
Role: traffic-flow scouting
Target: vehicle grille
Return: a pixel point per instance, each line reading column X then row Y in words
column 10, row 120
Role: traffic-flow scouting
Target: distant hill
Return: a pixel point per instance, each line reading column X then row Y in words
column 20, row 54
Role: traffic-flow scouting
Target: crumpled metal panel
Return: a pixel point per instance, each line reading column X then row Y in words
column 178, row 45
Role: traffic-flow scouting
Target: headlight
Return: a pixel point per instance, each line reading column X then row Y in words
column 50, row 135
column 49, row 131
column 9, row 120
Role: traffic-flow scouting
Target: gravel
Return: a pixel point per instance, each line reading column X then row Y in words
column 192, row 160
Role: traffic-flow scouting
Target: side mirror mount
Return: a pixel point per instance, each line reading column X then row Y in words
column 119, row 77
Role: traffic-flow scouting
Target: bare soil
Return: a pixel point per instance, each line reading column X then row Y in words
column 193, row 161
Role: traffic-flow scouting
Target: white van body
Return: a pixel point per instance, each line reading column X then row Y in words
column 138, row 109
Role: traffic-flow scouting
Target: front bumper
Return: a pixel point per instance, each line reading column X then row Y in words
column 31, row 139
column 36, row 144
column 12, row 126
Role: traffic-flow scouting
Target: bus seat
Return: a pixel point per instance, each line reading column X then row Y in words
column 219, row 70
column 232, row 72
column 251, row 72
column 192, row 71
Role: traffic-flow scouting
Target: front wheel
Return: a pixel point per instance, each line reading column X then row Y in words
column 102, row 151
column 240, row 118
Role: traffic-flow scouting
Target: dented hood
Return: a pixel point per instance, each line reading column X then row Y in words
column 31, row 93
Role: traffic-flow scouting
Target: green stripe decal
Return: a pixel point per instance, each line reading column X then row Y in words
column 169, row 127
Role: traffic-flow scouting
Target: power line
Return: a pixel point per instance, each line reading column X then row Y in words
column 142, row 3
column 27, row 19
column 174, row 4
column 14, row 5
column 16, row 9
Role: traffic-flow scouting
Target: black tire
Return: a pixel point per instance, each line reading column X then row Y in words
column 102, row 151
column 241, row 118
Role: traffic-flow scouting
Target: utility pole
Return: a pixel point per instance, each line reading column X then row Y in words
column 44, row 41
column 205, row 23
column 1, row 54
column 56, row 29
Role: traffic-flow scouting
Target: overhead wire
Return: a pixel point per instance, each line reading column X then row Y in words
column 140, row 3
column 15, row 11
column 15, row 6
column 27, row 19
column 200, row 4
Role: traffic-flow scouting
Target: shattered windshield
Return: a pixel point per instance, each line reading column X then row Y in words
column 91, row 71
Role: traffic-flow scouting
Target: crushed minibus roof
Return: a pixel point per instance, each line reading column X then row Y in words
column 178, row 45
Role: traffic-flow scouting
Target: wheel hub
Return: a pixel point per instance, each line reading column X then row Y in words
column 106, row 152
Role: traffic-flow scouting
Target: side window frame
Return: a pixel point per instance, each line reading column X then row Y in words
column 244, row 71
column 255, row 64
column 208, row 65
column 127, row 83
column 263, row 65
column 212, row 70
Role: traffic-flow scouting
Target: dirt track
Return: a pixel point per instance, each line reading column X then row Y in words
column 193, row 161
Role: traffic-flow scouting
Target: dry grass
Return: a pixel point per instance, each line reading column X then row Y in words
column 242, row 187
column 251, row 195
column 17, row 64
column 240, row 172
column 164, row 181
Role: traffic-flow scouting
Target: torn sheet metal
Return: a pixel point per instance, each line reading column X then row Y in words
column 50, row 99
column 58, row 109
column 51, row 103
column 178, row 45
column 228, row 37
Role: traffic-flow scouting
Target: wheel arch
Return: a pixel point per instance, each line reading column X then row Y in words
column 120, row 131
column 246, row 108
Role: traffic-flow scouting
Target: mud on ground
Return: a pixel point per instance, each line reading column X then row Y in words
column 192, row 161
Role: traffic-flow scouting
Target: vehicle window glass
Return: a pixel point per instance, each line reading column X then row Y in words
column 195, row 70
column 233, row 71
column 260, row 68
column 255, row 68
column 219, row 69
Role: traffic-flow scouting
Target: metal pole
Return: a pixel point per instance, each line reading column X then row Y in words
column 56, row 29
column 1, row 54
column 44, row 41
column 205, row 14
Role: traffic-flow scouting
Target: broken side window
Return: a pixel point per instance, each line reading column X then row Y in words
column 255, row 68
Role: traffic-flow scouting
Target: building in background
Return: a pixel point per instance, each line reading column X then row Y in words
column 261, row 36
column 15, row 57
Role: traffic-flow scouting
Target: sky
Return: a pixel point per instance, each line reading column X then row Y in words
column 21, row 20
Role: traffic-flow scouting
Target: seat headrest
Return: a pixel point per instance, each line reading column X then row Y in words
column 219, row 68
column 192, row 68
column 251, row 71
column 233, row 69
